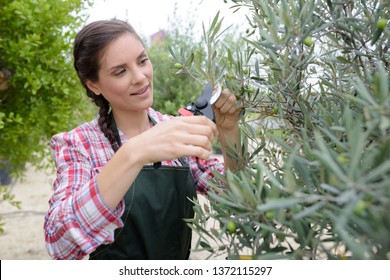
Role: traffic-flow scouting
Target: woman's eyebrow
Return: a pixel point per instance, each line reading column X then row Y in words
column 118, row 66
column 142, row 54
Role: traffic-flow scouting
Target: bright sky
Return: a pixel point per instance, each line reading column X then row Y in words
column 150, row 16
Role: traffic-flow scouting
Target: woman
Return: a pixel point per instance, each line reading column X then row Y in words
column 109, row 201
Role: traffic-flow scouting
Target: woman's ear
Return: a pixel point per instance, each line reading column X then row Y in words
column 93, row 87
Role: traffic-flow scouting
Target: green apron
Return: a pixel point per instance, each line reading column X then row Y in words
column 155, row 208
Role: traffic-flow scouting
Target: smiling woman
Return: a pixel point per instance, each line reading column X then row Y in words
column 105, row 167
column 125, row 73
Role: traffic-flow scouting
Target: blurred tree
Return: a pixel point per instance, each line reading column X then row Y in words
column 40, row 94
column 173, row 91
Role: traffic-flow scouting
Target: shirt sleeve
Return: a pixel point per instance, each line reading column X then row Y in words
column 203, row 178
column 78, row 220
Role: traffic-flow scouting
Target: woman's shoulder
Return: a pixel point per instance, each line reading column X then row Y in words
column 83, row 133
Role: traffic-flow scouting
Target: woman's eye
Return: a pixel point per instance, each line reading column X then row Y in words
column 120, row 72
column 143, row 61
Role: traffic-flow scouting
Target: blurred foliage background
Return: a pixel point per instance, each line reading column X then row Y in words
column 40, row 93
column 173, row 91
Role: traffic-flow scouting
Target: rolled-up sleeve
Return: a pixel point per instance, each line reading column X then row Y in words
column 78, row 220
column 203, row 178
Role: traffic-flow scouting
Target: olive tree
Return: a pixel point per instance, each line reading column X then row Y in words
column 172, row 88
column 314, row 77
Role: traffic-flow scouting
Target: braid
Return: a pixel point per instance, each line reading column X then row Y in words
column 105, row 121
column 88, row 50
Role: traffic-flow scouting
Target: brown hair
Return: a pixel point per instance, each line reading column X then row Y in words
column 89, row 47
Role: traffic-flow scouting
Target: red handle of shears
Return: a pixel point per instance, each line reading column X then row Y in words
column 185, row 112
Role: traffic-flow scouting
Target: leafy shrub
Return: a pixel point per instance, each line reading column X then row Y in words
column 42, row 95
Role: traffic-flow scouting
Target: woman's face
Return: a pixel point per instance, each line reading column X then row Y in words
column 125, row 75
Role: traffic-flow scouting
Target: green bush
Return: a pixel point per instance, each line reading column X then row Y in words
column 318, row 186
column 41, row 94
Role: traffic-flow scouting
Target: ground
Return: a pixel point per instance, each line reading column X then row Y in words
column 23, row 228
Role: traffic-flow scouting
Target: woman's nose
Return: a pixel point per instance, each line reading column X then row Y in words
column 137, row 75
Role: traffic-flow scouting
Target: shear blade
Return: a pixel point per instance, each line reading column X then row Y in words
column 216, row 94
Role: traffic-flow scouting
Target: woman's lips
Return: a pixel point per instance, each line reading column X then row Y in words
column 142, row 91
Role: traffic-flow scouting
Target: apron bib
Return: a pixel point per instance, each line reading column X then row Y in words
column 155, row 206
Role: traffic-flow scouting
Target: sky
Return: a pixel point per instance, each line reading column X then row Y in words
column 150, row 16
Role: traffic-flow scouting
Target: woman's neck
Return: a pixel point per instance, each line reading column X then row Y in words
column 132, row 123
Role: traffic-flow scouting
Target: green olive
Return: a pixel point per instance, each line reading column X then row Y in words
column 381, row 23
column 231, row 227
column 343, row 159
column 359, row 208
column 178, row 66
column 270, row 215
column 229, row 76
column 308, row 41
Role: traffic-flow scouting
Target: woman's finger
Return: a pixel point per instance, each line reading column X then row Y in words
column 229, row 106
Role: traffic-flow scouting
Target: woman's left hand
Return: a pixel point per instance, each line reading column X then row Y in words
column 227, row 114
column 226, row 111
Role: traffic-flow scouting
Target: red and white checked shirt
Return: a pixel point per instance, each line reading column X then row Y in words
column 78, row 220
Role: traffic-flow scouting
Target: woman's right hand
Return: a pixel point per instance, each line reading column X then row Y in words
column 175, row 138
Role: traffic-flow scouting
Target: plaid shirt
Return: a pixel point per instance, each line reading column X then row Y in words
column 78, row 220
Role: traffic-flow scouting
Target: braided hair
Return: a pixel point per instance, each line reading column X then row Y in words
column 89, row 47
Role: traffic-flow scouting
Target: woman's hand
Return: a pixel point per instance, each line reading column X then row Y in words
column 226, row 111
column 178, row 137
column 227, row 115
column 171, row 139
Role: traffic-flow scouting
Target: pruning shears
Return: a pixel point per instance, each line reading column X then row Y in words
column 201, row 107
